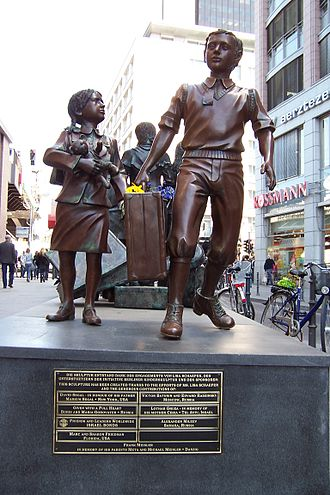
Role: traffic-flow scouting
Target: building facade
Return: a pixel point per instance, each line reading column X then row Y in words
column 18, row 209
column 293, row 77
column 158, row 63
column 236, row 15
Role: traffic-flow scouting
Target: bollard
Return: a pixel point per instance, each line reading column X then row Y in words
column 258, row 282
column 248, row 286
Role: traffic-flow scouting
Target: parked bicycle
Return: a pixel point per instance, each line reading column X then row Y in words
column 235, row 294
column 283, row 307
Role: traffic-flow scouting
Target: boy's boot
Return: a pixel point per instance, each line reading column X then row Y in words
column 172, row 324
column 211, row 307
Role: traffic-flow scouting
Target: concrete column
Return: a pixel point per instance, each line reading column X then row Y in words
column 311, row 29
column 4, row 175
column 261, row 14
column 313, row 236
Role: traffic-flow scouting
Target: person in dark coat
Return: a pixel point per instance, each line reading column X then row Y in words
column 8, row 260
column 42, row 264
column 269, row 267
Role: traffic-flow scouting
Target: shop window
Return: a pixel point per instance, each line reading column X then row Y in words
column 325, row 56
column 327, row 234
column 287, row 241
column 288, row 156
column 286, row 83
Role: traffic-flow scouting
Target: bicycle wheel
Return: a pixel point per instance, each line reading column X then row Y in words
column 240, row 306
column 278, row 312
column 232, row 300
column 226, row 298
column 250, row 310
column 325, row 325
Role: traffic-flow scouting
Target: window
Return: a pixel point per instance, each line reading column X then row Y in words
column 286, row 83
column 284, row 33
column 325, row 56
column 325, row 13
column 273, row 4
column 236, row 15
column 325, row 142
column 288, row 156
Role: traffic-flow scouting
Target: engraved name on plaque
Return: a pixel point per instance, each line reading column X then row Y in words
column 128, row 412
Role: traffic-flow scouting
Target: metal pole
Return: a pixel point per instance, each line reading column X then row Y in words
column 248, row 286
column 258, row 282
column 312, row 322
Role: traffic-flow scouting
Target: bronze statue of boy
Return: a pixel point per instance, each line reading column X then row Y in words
column 89, row 161
column 214, row 115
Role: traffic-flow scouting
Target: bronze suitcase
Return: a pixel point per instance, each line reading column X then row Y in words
column 145, row 236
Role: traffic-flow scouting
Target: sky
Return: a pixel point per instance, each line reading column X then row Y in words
column 50, row 50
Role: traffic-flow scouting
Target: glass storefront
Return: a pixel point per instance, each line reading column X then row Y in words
column 287, row 241
column 327, row 234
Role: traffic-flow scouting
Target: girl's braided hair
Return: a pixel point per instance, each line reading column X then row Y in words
column 77, row 103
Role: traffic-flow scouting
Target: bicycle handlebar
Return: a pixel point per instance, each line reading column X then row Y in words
column 322, row 268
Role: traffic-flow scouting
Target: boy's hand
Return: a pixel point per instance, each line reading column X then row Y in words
column 267, row 168
column 141, row 177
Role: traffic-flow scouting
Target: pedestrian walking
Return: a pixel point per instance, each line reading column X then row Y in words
column 269, row 267
column 8, row 260
column 42, row 264
column 28, row 264
column 21, row 260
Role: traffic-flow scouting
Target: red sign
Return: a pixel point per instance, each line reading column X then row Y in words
column 281, row 196
column 51, row 221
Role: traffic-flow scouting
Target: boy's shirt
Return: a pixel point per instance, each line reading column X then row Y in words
column 215, row 124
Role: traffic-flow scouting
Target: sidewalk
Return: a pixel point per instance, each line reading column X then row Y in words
column 262, row 294
column 25, row 295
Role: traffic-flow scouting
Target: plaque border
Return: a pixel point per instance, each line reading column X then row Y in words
column 146, row 372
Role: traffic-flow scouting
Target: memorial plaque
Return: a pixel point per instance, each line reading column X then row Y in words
column 128, row 412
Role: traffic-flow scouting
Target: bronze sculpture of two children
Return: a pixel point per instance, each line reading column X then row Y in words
column 214, row 115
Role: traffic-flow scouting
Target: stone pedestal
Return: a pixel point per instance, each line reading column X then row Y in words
column 275, row 407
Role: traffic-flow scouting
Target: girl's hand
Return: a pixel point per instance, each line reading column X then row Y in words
column 89, row 166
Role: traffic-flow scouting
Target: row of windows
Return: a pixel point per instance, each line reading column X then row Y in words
column 284, row 38
column 286, row 83
column 284, row 23
column 121, row 86
column 289, row 151
column 234, row 15
column 288, row 155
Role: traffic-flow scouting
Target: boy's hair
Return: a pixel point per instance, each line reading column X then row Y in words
column 77, row 103
column 145, row 132
column 238, row 42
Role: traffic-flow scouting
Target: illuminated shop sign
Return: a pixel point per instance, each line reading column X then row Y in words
column 281, row 196
column 304, row 107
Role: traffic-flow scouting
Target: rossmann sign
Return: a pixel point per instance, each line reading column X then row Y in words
column 281, row 196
